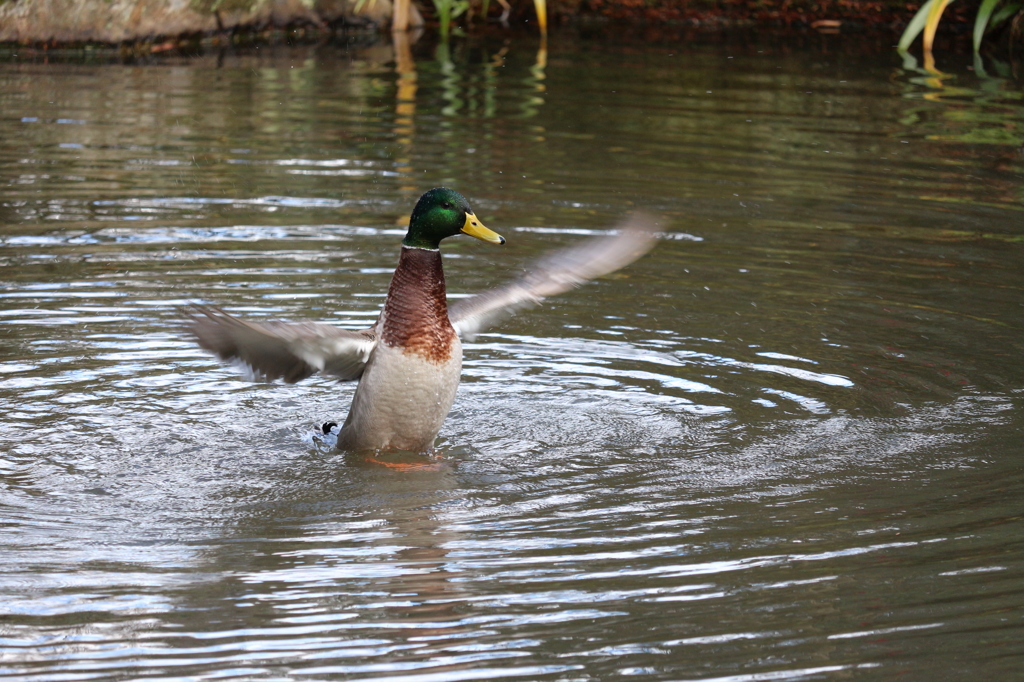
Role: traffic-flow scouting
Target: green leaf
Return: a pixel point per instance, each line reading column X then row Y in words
column 1004, row 14
column 915, row 26
column 932, row 24
column 981, row 21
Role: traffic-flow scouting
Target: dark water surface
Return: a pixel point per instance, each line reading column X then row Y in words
column 785, row 445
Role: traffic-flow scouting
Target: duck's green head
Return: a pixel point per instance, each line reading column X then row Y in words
column 442, row 213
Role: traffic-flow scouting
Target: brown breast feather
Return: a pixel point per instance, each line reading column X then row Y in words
column 416, row 311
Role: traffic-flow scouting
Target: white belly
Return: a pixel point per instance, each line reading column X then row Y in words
column 401, row 401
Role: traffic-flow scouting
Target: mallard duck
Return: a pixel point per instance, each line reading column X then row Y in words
column 409, row 362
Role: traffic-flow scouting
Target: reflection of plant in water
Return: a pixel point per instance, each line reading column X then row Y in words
column 475, row 90
column 985, row 111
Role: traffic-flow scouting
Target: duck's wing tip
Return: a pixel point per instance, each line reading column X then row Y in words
column 558, row 272
column 280, row 350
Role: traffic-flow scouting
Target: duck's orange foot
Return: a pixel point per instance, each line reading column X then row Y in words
column 406, row 463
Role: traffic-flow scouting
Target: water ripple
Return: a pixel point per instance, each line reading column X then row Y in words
column 783, row 445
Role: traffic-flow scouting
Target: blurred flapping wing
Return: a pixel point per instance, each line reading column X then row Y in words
column 282, row 350
column 556, row 273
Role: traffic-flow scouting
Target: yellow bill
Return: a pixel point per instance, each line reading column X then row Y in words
column 475, row 228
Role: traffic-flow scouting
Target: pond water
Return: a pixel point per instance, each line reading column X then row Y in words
column 786, row 444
